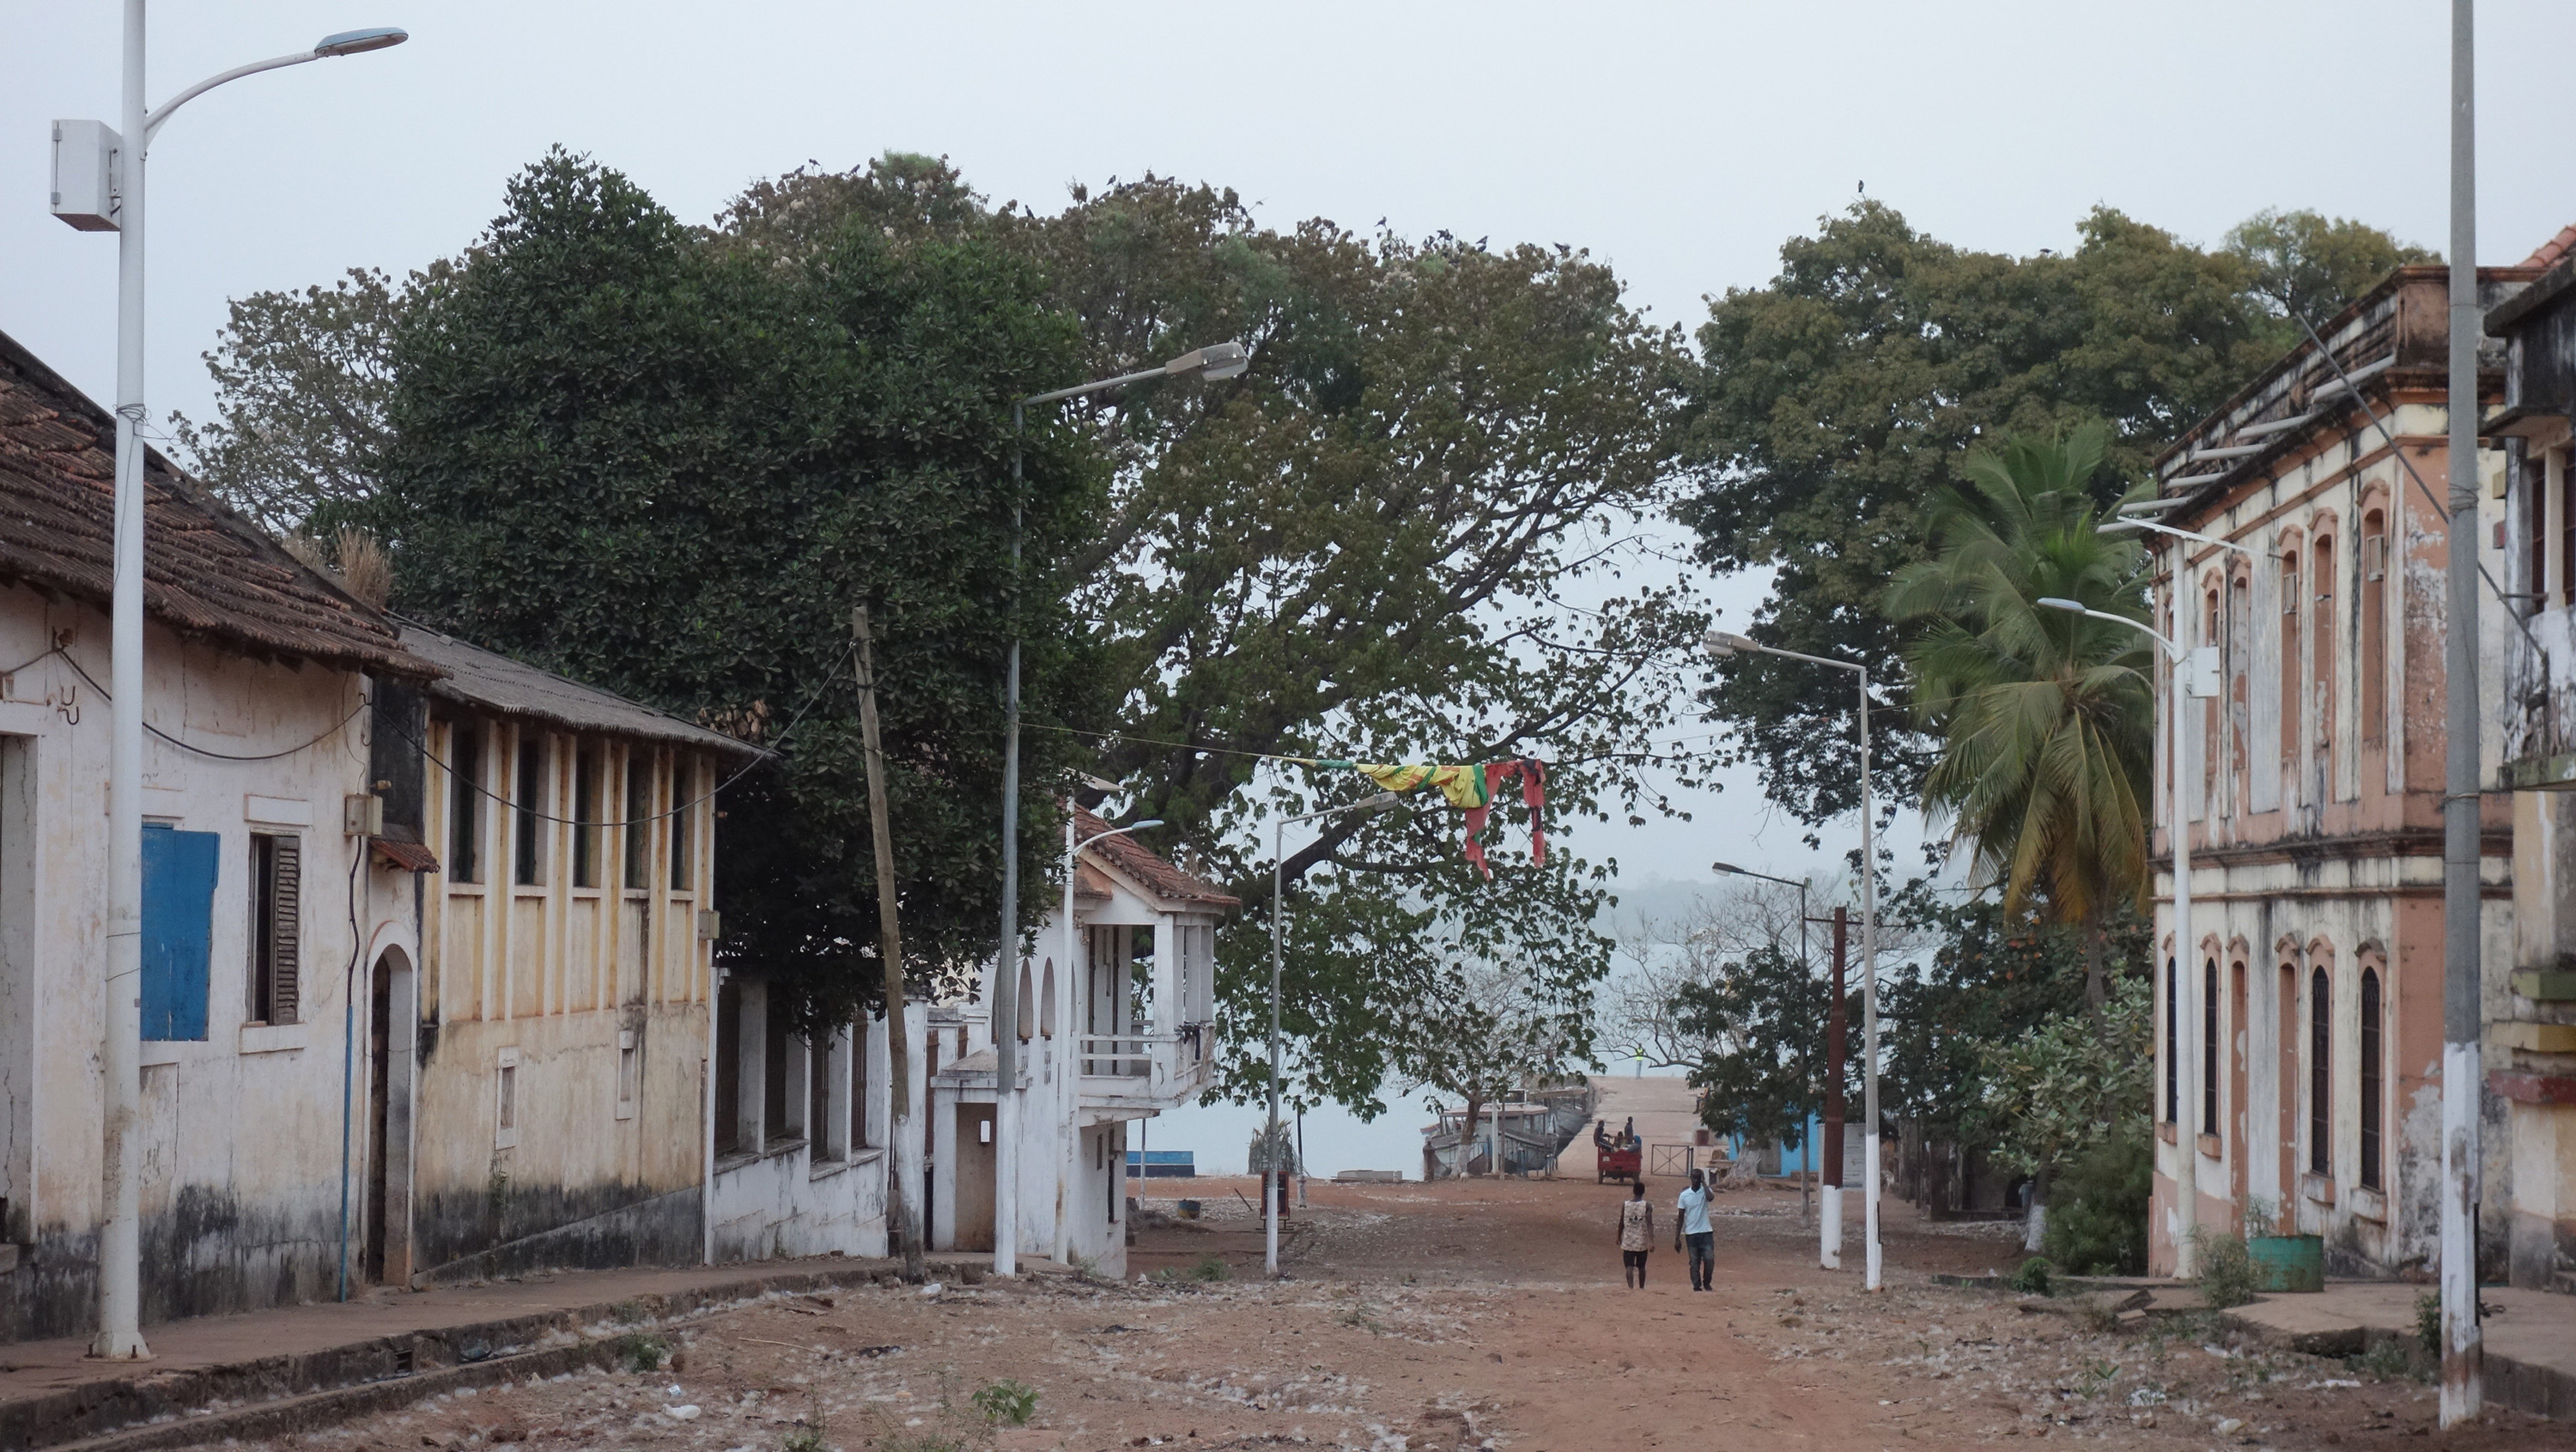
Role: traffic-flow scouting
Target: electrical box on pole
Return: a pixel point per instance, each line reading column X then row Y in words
column 2200, row 673
column 85, row 193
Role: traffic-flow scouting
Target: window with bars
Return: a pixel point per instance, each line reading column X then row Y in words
column 528, row 795
column 639, row 821
column 2320, row 1074
column 465, row 802
column 2370, row 1080
column 684, row 814
column 2173, row 1045
column 2290, row 692
column 2321, row 642
column 2373, row 646
column 276, row 927
column 859, row 1084
column 585, row 816
column 2209, row 1047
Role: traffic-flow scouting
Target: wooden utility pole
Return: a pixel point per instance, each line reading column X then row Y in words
column 903, row 1218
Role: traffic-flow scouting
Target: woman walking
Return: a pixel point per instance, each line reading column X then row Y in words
column 1636, row 1235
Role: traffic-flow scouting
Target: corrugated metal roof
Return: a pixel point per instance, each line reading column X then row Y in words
column 489, row 681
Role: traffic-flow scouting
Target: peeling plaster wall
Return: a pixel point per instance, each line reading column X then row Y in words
column 2312, row 845
column 241, row 1132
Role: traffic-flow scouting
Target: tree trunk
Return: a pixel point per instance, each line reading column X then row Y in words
column 2035, row 1227
column 1467, row 1130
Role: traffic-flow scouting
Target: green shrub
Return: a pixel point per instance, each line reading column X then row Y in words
column 1211, row 1268
column 2097, row 1211
column 641, row 1351
column 2226, row 1270
column 1007, row 1401
column 2428, row 1321
column 2032, row 1278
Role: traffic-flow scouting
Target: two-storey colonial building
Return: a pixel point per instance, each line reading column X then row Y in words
column 2314, row 778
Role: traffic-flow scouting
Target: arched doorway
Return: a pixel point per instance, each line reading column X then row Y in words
column 385, row 1256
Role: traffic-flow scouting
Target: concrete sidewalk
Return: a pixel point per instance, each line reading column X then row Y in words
column 2530, row 1335
column 392, row 1344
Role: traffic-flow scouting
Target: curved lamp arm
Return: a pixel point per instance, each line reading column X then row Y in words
column 2172, row 651
column 347, row 42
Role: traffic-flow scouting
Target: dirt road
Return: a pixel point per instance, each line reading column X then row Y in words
column 1453, row 1316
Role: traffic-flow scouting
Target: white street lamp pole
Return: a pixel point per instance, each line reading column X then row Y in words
column 2185, row 975
column 1722, row 643
column 1829, row 1226
column 1223, row 360
column 120, row 1336
column 1271, row 1184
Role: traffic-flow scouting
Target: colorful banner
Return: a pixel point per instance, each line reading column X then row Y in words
column 1471, row 788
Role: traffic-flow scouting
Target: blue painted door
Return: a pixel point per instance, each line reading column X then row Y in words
column 178, row 930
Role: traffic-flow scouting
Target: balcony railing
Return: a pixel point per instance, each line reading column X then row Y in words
column 1158, row 1058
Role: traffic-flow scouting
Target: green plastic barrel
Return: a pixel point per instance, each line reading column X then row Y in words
column 2288, row 1262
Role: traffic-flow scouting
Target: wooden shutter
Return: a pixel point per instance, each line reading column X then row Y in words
column 285, row 928
column 178, row 931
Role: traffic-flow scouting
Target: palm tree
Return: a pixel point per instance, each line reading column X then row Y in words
column 2046, row 718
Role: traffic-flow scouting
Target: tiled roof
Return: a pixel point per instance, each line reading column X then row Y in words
column 2553, row 249
column 1130, row 857
column 207, row 572
column 490, row 681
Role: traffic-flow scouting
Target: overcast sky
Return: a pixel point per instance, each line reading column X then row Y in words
column 1681, row 142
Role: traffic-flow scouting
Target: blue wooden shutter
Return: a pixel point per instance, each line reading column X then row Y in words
column 178, row 931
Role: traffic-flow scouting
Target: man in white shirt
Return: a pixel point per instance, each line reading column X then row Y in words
column 1691, row 1225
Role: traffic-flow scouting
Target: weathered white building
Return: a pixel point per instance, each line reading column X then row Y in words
column 558, row 1097
column 1116, row 1024
column 2315, row 780
column 800, row 1161
column 2530, row 1047
column 266, row 918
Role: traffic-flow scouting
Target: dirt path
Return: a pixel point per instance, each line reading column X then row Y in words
column 1444, row 1317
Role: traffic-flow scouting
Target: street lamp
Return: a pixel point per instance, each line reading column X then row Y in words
column 121, row 1051
column 1271, row 1184
column 1724, row 644
column 1070, row 1081
column 1216, row 361
column 1829, row 1228
column 2187, row 1157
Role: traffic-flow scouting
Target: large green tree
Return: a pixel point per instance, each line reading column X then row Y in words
column 674, row 469
column 1411, row 531
column 1836, row 401
column 1401, row 536
column 2043, row 717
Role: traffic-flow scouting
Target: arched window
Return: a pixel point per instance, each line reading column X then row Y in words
column 1046, row 1000
column 2320, row 1074
column 2373, row 648
column 2321, row 645
column 2173, row 1046
column 2370, row 1082
column 2210, row 740
column 2240, row 675
column 1028, row 1010
column 2290, row 664
column 2209, row 1046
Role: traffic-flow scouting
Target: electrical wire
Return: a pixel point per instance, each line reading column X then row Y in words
column 363, row 701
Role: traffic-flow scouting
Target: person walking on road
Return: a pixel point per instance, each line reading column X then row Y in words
column 1691, row 1224
column 1636, row 1235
